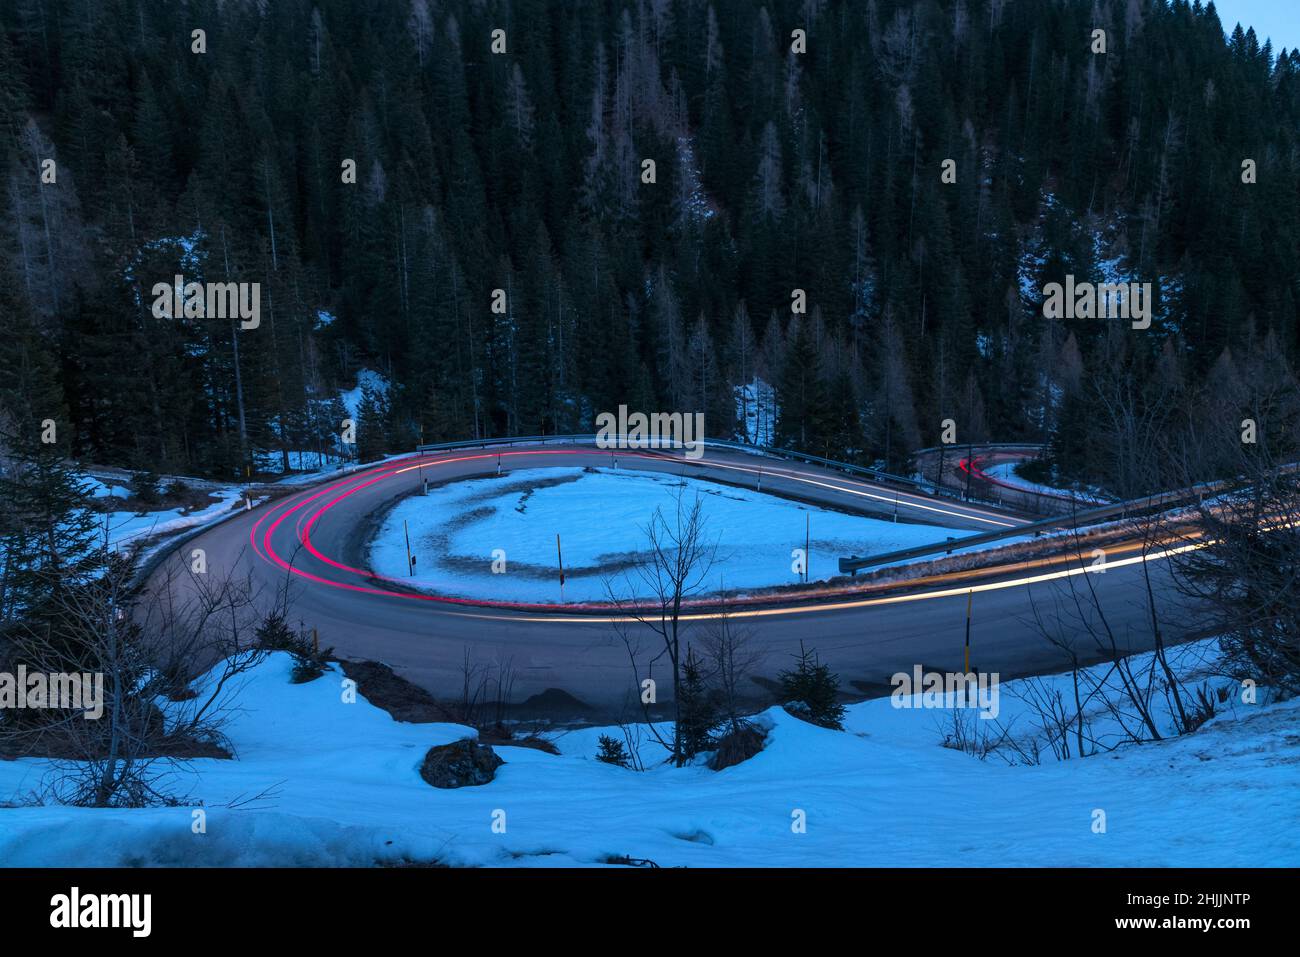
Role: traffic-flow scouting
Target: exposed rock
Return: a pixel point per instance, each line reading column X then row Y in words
column 460, row 764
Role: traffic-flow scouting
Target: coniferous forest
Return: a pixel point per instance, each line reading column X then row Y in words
column 381, row 169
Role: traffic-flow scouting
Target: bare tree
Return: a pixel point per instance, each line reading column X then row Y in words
column 731, row 656
column 1242, row 568
column 1126, row 686
column 1236, row 551
column 679, row 559
column 503, row 683
column 474, row 678
column 167, row 662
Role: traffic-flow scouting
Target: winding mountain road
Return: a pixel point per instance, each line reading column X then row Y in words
column 865, row 631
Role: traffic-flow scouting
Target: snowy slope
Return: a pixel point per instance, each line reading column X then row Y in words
column 340, row 785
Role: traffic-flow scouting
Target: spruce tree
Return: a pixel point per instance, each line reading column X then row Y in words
column 698, row 713
column 812, row 685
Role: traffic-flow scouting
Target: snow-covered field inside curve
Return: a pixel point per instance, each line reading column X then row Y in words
column 601, row 516
column 318, row 781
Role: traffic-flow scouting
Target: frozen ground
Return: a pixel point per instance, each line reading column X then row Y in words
column 129, row 528
column 98, row 489
column 335, row 783
column 1005, row 472
column 365, row 378
column 311, row 464
column 757, row 411
column 600, row 516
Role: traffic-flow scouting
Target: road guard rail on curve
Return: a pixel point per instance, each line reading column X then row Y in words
column 875, row 475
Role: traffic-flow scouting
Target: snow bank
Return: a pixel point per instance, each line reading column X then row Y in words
column 1005, row 474
column 318, row 781
column 125, row 528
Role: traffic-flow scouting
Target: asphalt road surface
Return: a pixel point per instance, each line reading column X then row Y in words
column 316, row 538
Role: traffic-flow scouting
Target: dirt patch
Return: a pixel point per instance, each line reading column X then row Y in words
column 407, row 701
column 385, row 689
column 55, row 746
column 737, row 746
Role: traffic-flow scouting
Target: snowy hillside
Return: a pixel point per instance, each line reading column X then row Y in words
column 317, row 781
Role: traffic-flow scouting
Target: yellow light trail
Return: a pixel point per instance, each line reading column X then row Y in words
column 848, row 605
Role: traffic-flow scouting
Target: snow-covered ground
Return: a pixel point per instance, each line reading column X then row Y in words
column 98, row 489
column 128, row 528
column 756, row 410
column 1005, row 472
column 600, row 516
column 128, row 525
column 303, row 465
column 336, row 783
column 365, row 378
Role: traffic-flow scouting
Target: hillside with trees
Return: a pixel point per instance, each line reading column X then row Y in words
column 775, row 169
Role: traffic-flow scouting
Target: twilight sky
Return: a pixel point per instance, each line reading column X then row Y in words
column 1278, row 19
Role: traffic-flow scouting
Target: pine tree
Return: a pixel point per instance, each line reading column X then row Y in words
column 612, row 751
column 372, row 425
column 802, row 393
column 698, row 716
column 814, row 688
column 50, row 536
column 775, row 172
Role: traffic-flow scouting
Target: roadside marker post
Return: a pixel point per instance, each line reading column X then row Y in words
column 970, row 596
column 970, row 464
column 410, row 563
column 559, row 555
column 807, row 546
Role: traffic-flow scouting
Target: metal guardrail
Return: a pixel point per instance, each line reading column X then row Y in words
column 958, row 446
column 852, row 564
column 876, row 475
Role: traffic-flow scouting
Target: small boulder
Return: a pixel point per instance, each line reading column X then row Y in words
column 460, row 764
